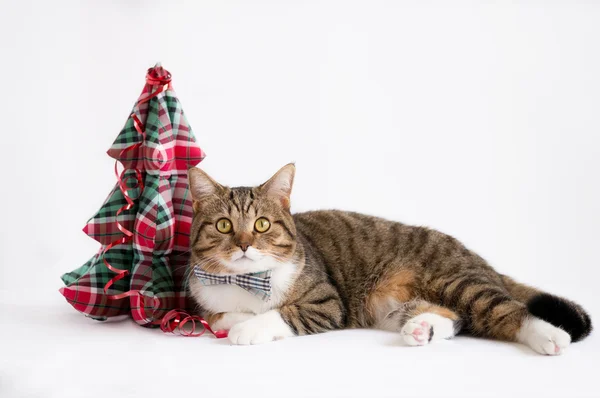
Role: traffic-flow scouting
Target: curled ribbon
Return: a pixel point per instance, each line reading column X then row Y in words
column 174, row 321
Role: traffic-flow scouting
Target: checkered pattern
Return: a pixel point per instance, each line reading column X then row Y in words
column 85, row 286
column 102, row 226
column 160, row 218
column 257, row 283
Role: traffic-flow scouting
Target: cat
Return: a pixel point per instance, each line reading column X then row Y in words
column 334, row 269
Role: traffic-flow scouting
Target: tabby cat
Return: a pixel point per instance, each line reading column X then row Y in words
column 265, row 274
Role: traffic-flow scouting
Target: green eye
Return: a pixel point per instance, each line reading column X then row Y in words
column 224, row 226
column 262, row 225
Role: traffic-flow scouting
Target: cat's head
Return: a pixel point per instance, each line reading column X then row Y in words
column 242, row 229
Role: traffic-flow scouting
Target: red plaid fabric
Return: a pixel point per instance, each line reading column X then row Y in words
column 156, row 147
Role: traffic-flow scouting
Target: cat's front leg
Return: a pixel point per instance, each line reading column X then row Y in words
column 260, row 329
column 227, row 320
column 320, row 315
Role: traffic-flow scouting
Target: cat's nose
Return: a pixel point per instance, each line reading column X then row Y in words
column 243, row 240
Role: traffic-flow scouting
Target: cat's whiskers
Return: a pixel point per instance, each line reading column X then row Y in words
column 184, row 253
column 206, row 263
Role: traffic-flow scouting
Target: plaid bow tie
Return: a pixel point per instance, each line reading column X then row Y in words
column 257, row 283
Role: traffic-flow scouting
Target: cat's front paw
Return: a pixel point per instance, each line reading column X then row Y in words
column 249, row 332
column 260, row 329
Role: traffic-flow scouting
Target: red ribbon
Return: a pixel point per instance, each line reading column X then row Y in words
column 174, row 321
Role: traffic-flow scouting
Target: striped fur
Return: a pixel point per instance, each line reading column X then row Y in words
column 357, row 271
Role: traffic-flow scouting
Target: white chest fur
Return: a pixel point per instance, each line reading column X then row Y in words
column 232, row 298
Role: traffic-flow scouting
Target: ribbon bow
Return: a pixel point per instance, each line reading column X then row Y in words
column 257, row 283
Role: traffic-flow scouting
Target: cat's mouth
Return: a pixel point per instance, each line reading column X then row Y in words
column 242, row 256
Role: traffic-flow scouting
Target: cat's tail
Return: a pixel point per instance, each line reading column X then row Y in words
column 558, row 311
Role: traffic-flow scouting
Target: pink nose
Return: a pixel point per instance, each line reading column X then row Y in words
column 244, row 246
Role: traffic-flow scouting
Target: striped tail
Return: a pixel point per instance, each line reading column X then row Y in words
column 560, row 312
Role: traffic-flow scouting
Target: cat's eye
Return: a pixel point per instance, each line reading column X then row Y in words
column 224, row 226
column 262, row 225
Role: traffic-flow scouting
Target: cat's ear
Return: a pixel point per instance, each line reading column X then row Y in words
column 201, row 185
column 280, row 185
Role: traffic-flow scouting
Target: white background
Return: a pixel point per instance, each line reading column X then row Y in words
column 478, row 119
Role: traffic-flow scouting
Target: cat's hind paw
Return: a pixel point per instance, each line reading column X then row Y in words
column 417, row 333
column 424, row 328
column 543, row 337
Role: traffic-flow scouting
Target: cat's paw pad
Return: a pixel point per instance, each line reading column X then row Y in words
column 424, row 327
column 543, row 337
column 417, row 333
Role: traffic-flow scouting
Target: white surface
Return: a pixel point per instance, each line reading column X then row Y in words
column 54, row 352
column 480, row 120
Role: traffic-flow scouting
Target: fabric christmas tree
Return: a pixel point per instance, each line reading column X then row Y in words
column 144, row 224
